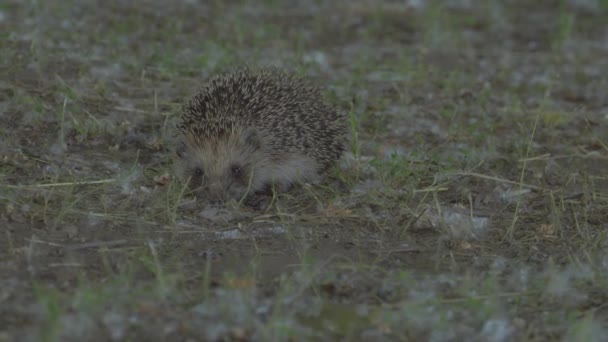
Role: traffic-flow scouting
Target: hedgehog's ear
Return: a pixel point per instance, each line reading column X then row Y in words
column 252, row 138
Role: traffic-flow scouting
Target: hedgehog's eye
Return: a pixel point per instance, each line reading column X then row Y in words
column 237, row 171
column 197, row 177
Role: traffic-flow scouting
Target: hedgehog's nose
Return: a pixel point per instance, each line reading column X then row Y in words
column 216, row 193
column 215, row 188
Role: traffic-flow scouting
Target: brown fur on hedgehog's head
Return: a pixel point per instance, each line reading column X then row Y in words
column 223, row 166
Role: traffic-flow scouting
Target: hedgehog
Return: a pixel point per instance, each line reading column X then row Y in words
column 254, row 131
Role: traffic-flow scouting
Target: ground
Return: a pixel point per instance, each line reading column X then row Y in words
column 472, row 203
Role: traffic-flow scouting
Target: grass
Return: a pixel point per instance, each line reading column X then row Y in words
column 471, row 204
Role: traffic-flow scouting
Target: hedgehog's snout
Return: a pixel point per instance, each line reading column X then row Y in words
column 219, row 192
column 216, row 191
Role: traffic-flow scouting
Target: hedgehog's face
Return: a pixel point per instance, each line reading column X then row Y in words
column 222, row 168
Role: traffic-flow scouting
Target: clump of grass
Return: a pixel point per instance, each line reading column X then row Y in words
column 565, row 26
column 49, row 301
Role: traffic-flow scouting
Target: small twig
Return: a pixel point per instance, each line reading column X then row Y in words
column 484, row 297
column 125, row 109
column 97, row 244
column 42, row 242
column 66, row 264
column 431, row 189
column 541, row 157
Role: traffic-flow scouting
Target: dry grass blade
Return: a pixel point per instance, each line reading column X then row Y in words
column 61, row 184
column 496, row 179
